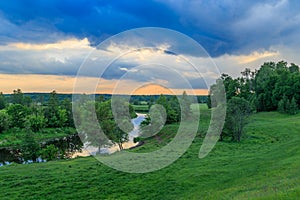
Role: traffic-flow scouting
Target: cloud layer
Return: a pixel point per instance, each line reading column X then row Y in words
column 54, row 37
column 232, row 27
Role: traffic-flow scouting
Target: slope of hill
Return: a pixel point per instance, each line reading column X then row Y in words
column 265, row 165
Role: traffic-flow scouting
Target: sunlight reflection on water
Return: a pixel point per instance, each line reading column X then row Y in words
column 90, row 150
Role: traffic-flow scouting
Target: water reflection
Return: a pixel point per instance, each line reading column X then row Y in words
column 91, row 150
column 66, row 146
column 71, row 147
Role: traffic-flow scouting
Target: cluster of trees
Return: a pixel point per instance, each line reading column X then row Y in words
column 20, row 111
column 166, row 110
column 114, row 121
column 273, row 87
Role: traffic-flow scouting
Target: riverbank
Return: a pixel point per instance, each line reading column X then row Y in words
column 13, row 138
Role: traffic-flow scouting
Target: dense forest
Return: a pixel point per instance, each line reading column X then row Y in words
column 273, row 87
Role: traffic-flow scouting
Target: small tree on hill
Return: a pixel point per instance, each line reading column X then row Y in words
column 238, row 110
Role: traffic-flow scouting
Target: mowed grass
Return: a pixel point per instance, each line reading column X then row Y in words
column 265, row 165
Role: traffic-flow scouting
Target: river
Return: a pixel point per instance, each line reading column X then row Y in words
column 89, row 150
column 72, row 146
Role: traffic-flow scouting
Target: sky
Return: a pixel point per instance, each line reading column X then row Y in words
column 45, row 43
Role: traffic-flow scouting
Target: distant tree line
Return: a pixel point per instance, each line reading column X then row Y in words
column 20, row 111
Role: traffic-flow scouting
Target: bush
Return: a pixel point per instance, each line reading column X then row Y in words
column 49, row 153
column 36, row 122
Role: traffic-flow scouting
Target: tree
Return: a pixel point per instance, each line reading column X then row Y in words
column 4, row 121
column 27, row 101
column 2, row 101
column 18, row 114
column 17, row 97
column 238, row 110
column 294, row 68
column 186, row 106
column 172, row 108
column 216, row 94
column 30, row 148
column 153, row 122
column 49, row 153
column 282, row 105
column 265, row 81
column 117, row 124
column 62, row 117
column 293, row 107
column 52, row 110
column 37, row 122
column 67, row 105
column 87, row 128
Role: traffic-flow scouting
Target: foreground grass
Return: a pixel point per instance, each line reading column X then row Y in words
column 265, row 165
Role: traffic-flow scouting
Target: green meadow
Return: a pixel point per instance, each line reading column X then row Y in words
column 264, row 165
column 141, row 108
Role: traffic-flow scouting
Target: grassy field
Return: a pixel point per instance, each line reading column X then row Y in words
column 265, row 165
column 141, row 108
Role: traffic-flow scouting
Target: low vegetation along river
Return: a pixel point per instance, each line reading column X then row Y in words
column 71, row 146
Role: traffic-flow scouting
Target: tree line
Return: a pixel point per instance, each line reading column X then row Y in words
column 20, row 111
column 273, row 87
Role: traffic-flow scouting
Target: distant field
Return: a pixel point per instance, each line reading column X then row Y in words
column 141, row 108
column 265, row 165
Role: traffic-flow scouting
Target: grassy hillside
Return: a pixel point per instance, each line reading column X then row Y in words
column 265, row 165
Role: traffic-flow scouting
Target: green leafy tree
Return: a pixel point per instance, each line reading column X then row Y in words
column 62, row 117
column 30, row 148
column 231, row 86
column 18, row 114
column 67, row 105
column 17, row 97
column 153, row 122
column 282, row 105
column 116, row 122
column 216, row 94
column 172, row 108
column 2, row 101
column 52, row 110
column 238, row 110
column 27, row 101
column 294, row 68
column 292, row 107
column 49, row 153
column 4, row 121
column 37, row 122
column 186, row 111
column 84, row 118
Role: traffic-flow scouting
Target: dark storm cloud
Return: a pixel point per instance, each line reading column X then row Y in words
column 221, row 27
column 231, row 27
